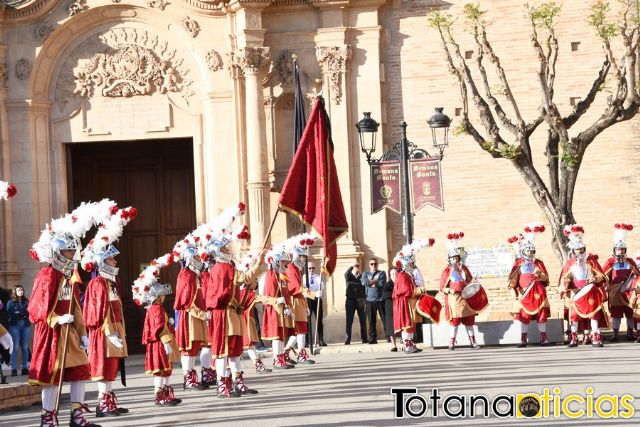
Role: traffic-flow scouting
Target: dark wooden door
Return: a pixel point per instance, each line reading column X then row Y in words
column 157, row 179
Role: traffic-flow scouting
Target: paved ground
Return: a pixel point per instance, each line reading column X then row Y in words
column 353, row 388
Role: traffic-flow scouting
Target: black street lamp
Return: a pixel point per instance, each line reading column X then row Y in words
column 404, row 151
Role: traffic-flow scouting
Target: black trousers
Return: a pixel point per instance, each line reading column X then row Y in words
column 352, row 307
column 316, row 310
column 371, row 308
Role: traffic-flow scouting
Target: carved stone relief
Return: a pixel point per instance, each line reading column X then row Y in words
column 76, row 7
column 123, row 62
column 214, row 60
column 249, row 60
column 4, row 76
column 158, row 4
column 190, row 25
column 284, row 67
column 333, row 61
column 42, row 31
column 23, row 69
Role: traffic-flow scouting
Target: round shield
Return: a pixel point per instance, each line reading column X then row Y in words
column 429, row 307
column 588, row 300
column 476, row 296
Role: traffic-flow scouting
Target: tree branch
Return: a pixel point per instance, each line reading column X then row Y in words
column 583, row 105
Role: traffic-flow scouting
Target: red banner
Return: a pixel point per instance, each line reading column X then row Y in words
column 385, row 186
column 426, row 183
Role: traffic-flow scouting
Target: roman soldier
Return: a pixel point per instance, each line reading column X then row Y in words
column 56, row 313
column 247, row 299
column 7, row 191
column 455, row 277
column 157, row 333
column 191, row 313
column 405, row 294
column 582, row 277
column 102, row 311
column 528, row 281
column 221, row 299
column 275, row 325
column 620, row 270
column 634, row 299
column 298, row 249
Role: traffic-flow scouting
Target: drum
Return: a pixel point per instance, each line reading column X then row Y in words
column 588, row 300
column 476, row 296
column 429, row 307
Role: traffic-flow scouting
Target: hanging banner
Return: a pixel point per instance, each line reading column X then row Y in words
column 426, row 183
column 385, row 186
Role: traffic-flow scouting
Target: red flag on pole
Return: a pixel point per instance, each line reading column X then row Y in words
column 311, row 190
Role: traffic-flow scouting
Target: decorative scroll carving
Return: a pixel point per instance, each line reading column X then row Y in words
column 214, row 60
column 284, row 67
column 76, row 7
column 128, row 71
column 190, row 26
column 158, row 4
column 333, row 61
column 249, row 60
column 42, row 31
column 209, row 5
column 4, row 76
column 23, row 69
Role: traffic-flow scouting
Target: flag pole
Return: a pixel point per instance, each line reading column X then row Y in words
column 266, row 237
column 319, row 303
column 65, row 345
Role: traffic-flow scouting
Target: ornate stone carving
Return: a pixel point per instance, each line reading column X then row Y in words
column 4, row 76
column 284, row 67
column 128, row 71
column 116, row 1
column 249, row 59
column 129, row 62
column 76, row 7
column 42, row 31
column 190, row 26
column 209, row 5
column 333, row 61
column 214, row 60
column 23, row 69
column 158, row 4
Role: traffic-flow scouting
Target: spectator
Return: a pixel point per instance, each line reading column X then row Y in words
column 355, row 301
column 387, row 295
column 315, row 304
column 373, row 282
column 19, row 329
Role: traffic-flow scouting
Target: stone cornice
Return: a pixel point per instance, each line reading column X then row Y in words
column 30, row 12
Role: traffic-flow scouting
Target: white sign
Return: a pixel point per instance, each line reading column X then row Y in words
column 490, row 262
column 127, row 117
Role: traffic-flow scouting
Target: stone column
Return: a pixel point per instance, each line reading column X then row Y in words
column 253, row 61
column 10, row 272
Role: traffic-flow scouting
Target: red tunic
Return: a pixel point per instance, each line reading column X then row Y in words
column 298, row 300
column 102, row 315
column 446, row 280
column 586, row 308
column 45, row 307
column 617, row 276
column 247, row 300
column 218, row 292
column 271, row 320
column 530, row 285
column 403, row 291
column 155, row 334
column 189, row 302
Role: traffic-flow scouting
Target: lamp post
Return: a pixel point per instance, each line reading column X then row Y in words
column 403, row 152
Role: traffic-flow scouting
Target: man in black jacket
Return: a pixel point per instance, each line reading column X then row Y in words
column 355, row 301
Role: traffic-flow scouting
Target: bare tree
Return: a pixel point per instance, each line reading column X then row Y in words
column 564, row 149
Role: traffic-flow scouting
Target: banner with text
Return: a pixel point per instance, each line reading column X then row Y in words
column 385, row 186
column 426, row 183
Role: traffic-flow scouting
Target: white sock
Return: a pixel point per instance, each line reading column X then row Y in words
column 205, row 357
column 542, row 327
column 276, row 346
column 301, row 341
column 102, row 388
column 574, row 327
column 587, row 332
column 453, row 331
column 469, row 330
column 221, row 366
column 405, row 335
column 594, row 326
column 76, row 391
column 253, row 355
column 109, row 385
column 165, row 381
column 49, row 398
column 523, row 328
column 184, row 362
column 192, row 363
column 157, row 383
column 234, row 364
column 291, row 342
column 615, row 323
column 629, row 324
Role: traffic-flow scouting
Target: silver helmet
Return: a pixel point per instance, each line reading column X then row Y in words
column 107, row 271
column 192, row 260
column 156, row 291
column 64, row 242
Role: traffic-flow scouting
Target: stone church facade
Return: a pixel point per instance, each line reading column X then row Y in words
column 183, row 107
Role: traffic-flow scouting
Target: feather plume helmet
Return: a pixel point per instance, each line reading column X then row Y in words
column 620, row 232
column 108, row 233
column 575, row 233
column 407, row 254
column 7, row 190
column 140, row 290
